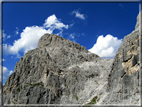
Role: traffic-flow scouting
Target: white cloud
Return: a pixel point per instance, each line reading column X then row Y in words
column 72, row 24
column 8, row 36
column 10, row 72
column 59, row 33
column 50, row 21
column 72, row 37
column 106, row 46
column 29, row 37
column 53, row 23
column 5, row 36
column 17, row 31
column 5, row 72
column 78, row 14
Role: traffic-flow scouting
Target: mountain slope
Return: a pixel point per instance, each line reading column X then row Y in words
column 124, row 78
column 58, row 71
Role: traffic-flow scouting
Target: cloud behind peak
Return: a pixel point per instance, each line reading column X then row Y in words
column 107, row 46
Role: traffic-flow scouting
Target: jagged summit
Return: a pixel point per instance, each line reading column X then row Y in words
column 52, row 40
column 139, row 22
column 60, row 71
column 124, row 77
column 55, row 73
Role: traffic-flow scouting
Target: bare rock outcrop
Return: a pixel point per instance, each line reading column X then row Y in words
column 58, row 71
column 124, row 78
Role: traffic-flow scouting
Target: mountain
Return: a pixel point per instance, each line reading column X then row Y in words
column 60, row 71
column 124, row 78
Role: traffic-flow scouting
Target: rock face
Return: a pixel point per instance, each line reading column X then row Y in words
column 60, row 71
column 124, row 77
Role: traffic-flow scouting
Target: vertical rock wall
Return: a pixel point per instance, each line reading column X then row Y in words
column 124, row 78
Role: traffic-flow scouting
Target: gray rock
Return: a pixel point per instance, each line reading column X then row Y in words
column 123, row 81
column 55, row 73
column 60, row 71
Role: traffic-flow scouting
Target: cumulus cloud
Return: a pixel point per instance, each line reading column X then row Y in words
column 10, row 72
column 78, row 14
column 106, row 46
column 6, row 72
column 29, row 37
column 28, row 40
column 53, row 23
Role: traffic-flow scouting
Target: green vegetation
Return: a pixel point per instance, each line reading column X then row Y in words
column 18, row 89
column 65, row 85
column 25, row 87
column 75, row 96
column 94, row 101
column 13, row 102
column 28, row 61
column 36, row 84
column 96, row 82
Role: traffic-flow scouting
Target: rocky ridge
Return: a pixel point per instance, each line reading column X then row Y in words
column 124, row 78
column 60, row 71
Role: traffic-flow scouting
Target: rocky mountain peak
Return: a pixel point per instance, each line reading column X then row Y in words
column 139, row 22
column 55, row 73
column 52, row 40
column 125, row 72
column 49, row 39
column 60, row 71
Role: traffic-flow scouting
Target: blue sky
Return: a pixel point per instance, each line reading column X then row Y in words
column 100, row 27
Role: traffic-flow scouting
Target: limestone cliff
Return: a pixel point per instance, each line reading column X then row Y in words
column 124, row 78
column 60, row 71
